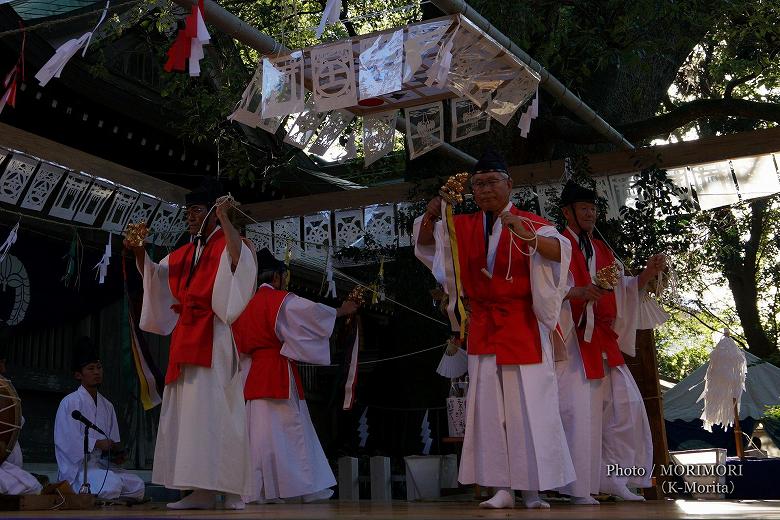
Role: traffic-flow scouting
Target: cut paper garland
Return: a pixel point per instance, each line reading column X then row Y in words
column 381, row 64
column 333, row 76
column 102, row 266
column 9, row 241
column 425, row 434
column 187, row 48
column 283, row 92
column 329, row 16
column 335, row 123
column 467, row 120
column 424, row 128
column 363, row 428
column 378, row 135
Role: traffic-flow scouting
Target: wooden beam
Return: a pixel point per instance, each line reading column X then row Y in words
column 675, row 155
column 36, row 146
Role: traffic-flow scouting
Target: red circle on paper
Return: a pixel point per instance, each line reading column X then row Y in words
column 371, row 102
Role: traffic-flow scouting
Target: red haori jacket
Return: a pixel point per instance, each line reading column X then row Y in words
column 502, row 319
column 604, row 339
column 193, row 336
column 255, row 335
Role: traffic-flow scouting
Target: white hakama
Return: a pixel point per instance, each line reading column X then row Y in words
column 287, row 457
column 13, row 479
column 201, row 439
column 514, row 436
column 605, row 419
column 107, row 481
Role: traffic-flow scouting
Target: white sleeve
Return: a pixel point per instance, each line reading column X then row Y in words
column 68, row 439
column 550, row 280
column 156, row 313
column 113, row 430
column 305, row 327
column 234, row 289
column 431, row 255
column 627, row 302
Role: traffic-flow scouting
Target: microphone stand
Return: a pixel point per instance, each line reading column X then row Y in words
column 85, row 489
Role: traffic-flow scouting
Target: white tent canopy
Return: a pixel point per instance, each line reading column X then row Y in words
column 762, row 389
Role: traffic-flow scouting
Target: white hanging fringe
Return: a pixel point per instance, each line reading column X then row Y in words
column 425, row 434
column 329, row 274
column 102, row 266
column 531, row 113
column 363, row 428
column 724, row 382
column 9, row 241
column 329, row 16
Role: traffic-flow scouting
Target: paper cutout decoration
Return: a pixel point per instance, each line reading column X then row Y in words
column 53, row 68
column 248, row 110
column 316, row 234
column 333, row 76
column 624, row 191
column 604, row 190
column 467, row 120
column 162, row 222
column 287, row 235
column 42, row 186
column 94, row 200
column 349, row 227
column 120, row 208
column 378, row 135
column 714, row 185
column 511, row 96
column 421, row 44
column 405, row 212
column 425, row 434
column 380, row 224
column 439, row 70
column 546, row 193
column 306, row 123
column 71, row 194
column 756, row 176
column 17, row 174
column 329, row 16
column 331, row 283
column 143, row 209
column 475, row 73
column 681, row 178
column 524, row 197
column 350, row 149
column 424, row 128
column 188, row 46
column 381, row 64
column 261, row 235
column 282, row 92
column 335, row 123
column 177, row 229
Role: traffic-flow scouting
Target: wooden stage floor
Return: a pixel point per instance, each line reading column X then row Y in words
column 438, row 509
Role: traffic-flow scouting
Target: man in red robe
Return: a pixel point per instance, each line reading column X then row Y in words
column 195, row 293
column 276, row 331
column 602, row 410
column 512, row 266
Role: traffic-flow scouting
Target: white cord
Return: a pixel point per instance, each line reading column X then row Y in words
column 512, row 245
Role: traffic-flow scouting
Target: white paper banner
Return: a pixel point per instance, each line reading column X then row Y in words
column 381, row 64
column 511, row 96
column 96, row 198
column 756, row 176
column 17, row 174
column 333, row 76
column 714, row 185
column 287, row 234
column 71, row 194
column 424, row 128
column 378, row 135
column 545, row 194
column 42, row 186
column 283, row 92
column 421, row 44
column 336, row 122
column 302, row 130
column 623, row 190
column 261, row 235
column 316, row 234
column 467, row 120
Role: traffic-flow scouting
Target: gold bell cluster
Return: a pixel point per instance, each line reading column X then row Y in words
column 136, row 233
column 452, row 191
column 607, row 277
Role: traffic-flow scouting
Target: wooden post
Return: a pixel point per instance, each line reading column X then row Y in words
column 738, row 433
column 644, row 368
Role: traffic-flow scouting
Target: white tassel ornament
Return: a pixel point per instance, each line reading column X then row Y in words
column 723, row 383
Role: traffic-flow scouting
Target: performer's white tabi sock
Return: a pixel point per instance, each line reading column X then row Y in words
column 198, row 499
column 504, row 498
column 584, row 501
column 621, row 491
column 532, row 501
column 233, row 502
column 325, row 494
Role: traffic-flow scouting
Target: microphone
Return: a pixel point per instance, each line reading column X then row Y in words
column 77, row 415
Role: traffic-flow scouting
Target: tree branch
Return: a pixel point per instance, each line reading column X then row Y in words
column 734, row 83
column 663, row 125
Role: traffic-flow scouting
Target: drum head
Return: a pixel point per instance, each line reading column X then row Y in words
column 10, row 418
